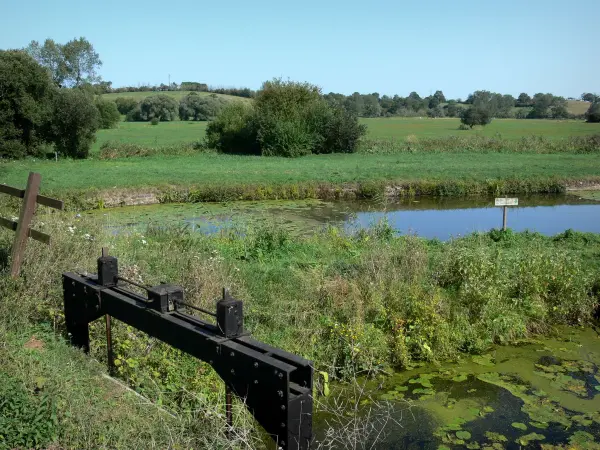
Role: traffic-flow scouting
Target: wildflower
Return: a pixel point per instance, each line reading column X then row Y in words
column 71, row 229
column 144, row 242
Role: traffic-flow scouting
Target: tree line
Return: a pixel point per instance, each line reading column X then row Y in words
column 540, row 106
column 46, row 104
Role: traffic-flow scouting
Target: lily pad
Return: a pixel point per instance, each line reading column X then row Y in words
column 519, row 426
column 488, row 409
column 540, row 425
column 525, row 440
column 581, row 438
column 495, row 437
column 464, row 435
column 459, row 378
column 484, row 360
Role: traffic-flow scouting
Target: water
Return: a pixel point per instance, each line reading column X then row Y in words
column 545, row 391
column 427, row 217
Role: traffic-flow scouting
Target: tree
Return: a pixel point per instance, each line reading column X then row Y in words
column 559, row 111
column 524, row 100
column 589, row 97
column 75, row 121
column 109, row 113
column 26, row 93
column 371, row 107
column 451, row 109
column 476, row 116
column 126, row 104
column 162, row 106
column 71, row 64
column 440, row 96
column 593, row 113
column 196, row 107
column 435, row 112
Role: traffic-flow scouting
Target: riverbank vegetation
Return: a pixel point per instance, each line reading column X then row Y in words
column 359, row 303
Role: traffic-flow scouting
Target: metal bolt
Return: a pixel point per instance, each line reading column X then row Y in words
column 283, row 407
column 282, row 425
column 280, row 375
column 256, row 364
column 283, row 443
column 232, row 354
column 280, row 393
column 232, row 371
column 73, row 295
column 72, row 283
column 210, row 362
column 255, row 381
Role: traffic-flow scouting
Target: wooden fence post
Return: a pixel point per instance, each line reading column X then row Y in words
column 27, row 210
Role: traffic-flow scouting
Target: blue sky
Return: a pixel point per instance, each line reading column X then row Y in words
column 389, row 47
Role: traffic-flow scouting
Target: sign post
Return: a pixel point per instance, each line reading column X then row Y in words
column 505, row 202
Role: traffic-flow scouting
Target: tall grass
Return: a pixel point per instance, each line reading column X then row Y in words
column 482, row 144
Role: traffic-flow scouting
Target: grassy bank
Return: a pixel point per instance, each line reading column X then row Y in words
column 214, row 177
column 370, row 301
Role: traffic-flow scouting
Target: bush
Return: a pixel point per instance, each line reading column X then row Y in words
column 196, row 107
column 593, row 113
column 161, row 106
column 126, row 104
column 154, row 121
column 475, row 116
column 233, row 130
column 75, row 121
column 288, row 119
column 109, row 114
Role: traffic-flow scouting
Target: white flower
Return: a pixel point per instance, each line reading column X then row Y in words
column 71, row 230
column 144, row 241
column 77, row 215
column 13, row 218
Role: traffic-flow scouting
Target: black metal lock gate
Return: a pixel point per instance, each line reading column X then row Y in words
column 275, row 385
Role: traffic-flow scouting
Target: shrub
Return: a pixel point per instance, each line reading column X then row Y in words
column 593, row 113
column 196, row 107
column 161, row 106
column 154, row 121
column 233, row 130
column 288, row 119
column 109, row 114
column 75, row 121
column 126, row 104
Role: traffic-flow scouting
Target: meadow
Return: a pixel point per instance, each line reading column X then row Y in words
column 170, row 133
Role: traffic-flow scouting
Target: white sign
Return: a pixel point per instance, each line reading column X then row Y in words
column 507, row 202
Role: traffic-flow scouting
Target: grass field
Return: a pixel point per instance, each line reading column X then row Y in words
column 224, row 170
column 168, row 133
column 145, row 134
column 506, row 128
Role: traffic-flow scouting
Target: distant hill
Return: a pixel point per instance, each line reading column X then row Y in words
column 175, row 94
column 577, row 106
